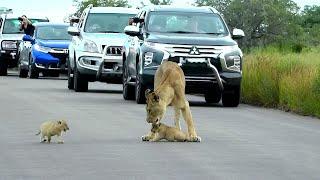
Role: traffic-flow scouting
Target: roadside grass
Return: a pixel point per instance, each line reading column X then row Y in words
column 282, row 79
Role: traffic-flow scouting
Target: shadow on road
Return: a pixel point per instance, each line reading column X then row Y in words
column 105, row 91
column 203, row 104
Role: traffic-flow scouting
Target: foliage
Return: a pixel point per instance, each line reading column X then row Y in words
column 268, row 22
column 282, row 79
column 101, row 3
column 161, row 2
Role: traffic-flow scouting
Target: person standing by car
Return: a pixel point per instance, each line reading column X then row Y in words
column 26, row 25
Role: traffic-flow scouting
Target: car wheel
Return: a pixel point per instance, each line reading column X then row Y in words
column 231, row 96
column 128, row 91
column 212, row 96
column 22, row 72
column 33, row 72
column 80, row 83
column 3, row 67
column 140, row 92
column 70, row 77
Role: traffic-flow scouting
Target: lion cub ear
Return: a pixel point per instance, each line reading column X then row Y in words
column 59, row 122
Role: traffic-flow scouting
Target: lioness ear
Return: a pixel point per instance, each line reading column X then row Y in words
column 147, row 92
column 59, row 122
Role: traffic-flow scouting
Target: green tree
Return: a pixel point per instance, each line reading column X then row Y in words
column 263, row 21
column 220, row 5
column 310, row 21
column 161, row 2
column 101, row 3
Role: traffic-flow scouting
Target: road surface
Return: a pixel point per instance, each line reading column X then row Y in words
column 104, row 138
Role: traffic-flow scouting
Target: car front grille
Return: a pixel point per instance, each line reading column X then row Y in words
column 193, row 50
column 61, row 54
column 113, row 51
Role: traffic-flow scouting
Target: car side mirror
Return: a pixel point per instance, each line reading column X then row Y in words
column 28, row 38
column 237, row 33
column 73, row 31
column 132, row 31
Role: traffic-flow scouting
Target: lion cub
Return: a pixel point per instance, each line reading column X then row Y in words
column 52, row 128
column 163, row 131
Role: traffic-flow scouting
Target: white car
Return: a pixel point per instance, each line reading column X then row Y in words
column 10, row 38
column 95, row 49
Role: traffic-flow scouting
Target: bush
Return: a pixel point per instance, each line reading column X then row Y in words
column 289, row 81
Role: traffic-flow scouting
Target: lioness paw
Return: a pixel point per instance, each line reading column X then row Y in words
column 196, row 139
column 144, row 138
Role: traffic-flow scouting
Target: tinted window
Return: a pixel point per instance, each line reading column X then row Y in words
column 108, row 22
column 11, row 26
column 186, row 22
column 52, row 33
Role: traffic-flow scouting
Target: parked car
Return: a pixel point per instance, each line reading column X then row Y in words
column 197, row 38
column 10, row 38
column 46, row 51
column 95, row 51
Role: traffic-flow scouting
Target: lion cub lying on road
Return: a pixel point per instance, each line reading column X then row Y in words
column 52, row 128
column 163, row 131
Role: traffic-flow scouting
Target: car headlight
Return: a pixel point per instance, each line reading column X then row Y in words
column 233, row 63
column 42, row 48
column 90, row 46
column 9, row 45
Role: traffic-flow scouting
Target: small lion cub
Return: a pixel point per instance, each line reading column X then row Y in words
column 163, row 131
column 52, row 128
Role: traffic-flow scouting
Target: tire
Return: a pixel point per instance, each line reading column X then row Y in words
column 3, row 68
column 70, row 79
column 23, row 73
column 128, row 91
column 140, row 92
column 231, row 97
column 213, row 96
column 80, row 83
column 33, row 72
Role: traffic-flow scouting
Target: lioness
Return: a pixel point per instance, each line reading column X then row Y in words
column 163, row 131
column 52, row 128
column 169, row 89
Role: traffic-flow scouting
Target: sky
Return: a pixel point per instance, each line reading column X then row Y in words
column 56, row 10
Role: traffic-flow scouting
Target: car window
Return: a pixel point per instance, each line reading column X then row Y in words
column 52, row 33
column 186, row 22
column 106, row 22
column 12, row 26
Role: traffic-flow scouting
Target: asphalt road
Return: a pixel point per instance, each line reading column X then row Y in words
column 104, row 138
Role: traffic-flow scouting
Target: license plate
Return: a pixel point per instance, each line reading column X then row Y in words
column 196, row 60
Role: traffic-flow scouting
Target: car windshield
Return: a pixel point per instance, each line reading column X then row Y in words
column 52, row 33
column 12, row 26
column 186, row 22
column 106, row 22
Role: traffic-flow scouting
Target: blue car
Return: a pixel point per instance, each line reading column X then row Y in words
column 45, row 52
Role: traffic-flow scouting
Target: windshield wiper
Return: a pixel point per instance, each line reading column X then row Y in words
column 108, row 32
column 180, row 32
column 214, row 33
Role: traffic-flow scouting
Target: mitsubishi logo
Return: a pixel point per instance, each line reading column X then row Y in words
column 194, row 51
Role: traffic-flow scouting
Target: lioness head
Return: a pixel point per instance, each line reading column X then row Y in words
column 155, row 108
column 63, row 125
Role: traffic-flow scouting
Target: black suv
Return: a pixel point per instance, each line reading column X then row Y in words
column 197, row 38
